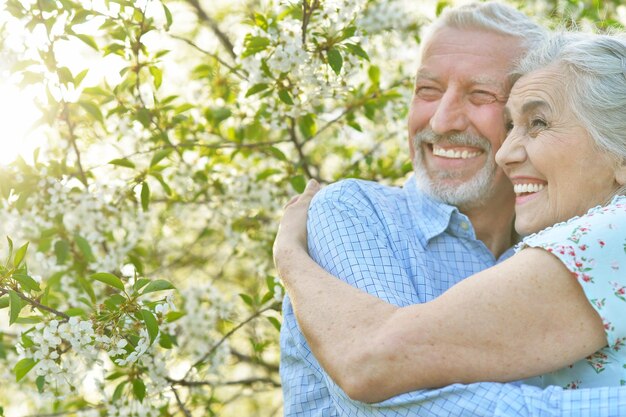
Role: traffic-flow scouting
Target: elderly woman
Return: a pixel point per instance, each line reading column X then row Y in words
column 566, row 156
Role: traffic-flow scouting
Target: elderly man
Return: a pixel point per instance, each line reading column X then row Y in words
column 452, row 218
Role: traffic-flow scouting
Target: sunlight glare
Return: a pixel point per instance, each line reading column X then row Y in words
column 18, row 115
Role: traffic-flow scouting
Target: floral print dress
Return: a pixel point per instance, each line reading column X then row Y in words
column 593, row 248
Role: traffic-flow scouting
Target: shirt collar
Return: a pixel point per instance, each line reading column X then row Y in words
column 431, row 218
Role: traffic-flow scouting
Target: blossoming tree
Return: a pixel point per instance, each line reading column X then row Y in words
column 137, row 277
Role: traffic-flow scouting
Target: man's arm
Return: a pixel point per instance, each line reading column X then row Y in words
column 342, row 223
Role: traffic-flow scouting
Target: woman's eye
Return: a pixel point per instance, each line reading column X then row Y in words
column 537, row 123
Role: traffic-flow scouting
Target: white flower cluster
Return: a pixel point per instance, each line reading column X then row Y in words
column 196, row 331
column 133, row 408
column 97, row 216
column 142, row 347
column 48, row 339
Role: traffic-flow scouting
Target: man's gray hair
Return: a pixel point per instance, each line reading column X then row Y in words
column 595, row 70
column 490, row 17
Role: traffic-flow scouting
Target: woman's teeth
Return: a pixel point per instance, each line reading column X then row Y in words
column 527, row 188
column 451, row 153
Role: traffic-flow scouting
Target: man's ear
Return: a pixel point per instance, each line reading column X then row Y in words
column 620, row 173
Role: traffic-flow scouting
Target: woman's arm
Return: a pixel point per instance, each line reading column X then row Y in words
column 524, row 317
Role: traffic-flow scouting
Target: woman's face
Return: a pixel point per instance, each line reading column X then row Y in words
column 556, row 169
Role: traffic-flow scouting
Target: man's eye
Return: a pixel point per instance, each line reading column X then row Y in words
column 483, row 97
column 428, row 93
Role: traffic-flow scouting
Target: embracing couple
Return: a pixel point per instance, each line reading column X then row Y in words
column 502, row 259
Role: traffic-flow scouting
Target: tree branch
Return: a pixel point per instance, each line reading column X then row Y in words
column 294, row 139
column 228, row 45
column 36, row 304
column 212, row 55
column 180, row 403
column 226, row 336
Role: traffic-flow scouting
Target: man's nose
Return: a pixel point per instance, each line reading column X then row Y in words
column 450, row 115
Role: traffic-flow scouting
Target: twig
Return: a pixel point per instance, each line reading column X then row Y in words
column 212, row 55
column 245, row 382
column 228, row 45
column 294, row 139
column 36, row 304
column 180, row 403
column 307, row 12
column 226, row 336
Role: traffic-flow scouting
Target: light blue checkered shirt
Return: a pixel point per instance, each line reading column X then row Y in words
column 405, row 248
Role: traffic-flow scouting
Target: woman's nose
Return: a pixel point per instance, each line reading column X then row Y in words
column 511, row 152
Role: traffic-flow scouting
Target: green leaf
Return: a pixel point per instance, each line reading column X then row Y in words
column 40, row 382
column 151, row 324
column 113, row 302
column 92, row 109
column 139, row 389
column 256, row 88
column 356, row 49
column 285, row 97
column 145, row 196
column 16, row 306
column 440, row 6
column 254, row 44
column 335, row 60
column 26, row 281
column 159, row 156
column 89, row 40
column 65, row 75
column 117, row 394
column 4, row 302
column 114, row 375
column 298, row 183
column 168, row 16
column 108, row 279
column 158, row 285
column 274, row 322
column 247, row 299
column 374, row 74
column 86, row 285
column 307, row 125
column 140, row 283
column 80, row 77
column 11, row 248
column 19, row 255
column 62, row 251
column 157, row 74
column 173, row 316
column 23, row 367
column 123, row 162
column 84, row 248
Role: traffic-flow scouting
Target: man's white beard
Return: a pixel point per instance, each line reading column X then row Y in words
column 471, row 193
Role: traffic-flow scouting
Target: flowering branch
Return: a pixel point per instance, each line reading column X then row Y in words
column 36, row 304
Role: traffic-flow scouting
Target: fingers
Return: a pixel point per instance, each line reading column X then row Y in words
column 312, row 187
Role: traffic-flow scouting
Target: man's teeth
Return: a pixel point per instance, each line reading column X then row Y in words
column 527, row 188
column 451, row 153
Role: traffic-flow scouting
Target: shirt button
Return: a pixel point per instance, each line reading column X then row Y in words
column 464, row 226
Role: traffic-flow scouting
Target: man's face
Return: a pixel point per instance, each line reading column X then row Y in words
column 456, row 120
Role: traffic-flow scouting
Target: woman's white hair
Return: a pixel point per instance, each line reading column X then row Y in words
column 595, row 70
column 490, row 17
